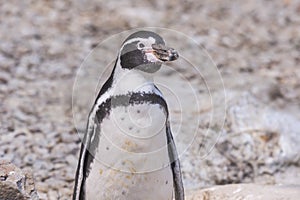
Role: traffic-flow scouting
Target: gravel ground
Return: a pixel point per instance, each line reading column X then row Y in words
column 255, row 45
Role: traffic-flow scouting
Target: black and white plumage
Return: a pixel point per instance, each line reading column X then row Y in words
column 128, row 151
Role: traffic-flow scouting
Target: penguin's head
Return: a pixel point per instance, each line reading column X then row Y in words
column 145, row 51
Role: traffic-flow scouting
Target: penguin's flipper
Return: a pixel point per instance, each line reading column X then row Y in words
column 175, row 165
column 86, row 157
column 81, row 168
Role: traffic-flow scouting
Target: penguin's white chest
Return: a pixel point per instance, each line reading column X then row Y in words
column 131, row 159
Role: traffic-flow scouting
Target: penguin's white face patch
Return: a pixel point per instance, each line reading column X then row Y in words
column 145, row 45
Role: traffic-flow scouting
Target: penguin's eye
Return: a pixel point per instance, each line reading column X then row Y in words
column 141, row 45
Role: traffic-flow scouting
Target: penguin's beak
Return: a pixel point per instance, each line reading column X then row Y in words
column 164, row 53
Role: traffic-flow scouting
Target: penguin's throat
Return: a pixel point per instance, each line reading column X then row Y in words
column 126, row 81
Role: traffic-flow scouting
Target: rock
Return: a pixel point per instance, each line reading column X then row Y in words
column 16, row 184
column 245, row 191
column 259, row 141
column 10, row 192
column 29, row 185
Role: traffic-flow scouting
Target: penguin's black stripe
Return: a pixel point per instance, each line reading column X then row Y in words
column 107, row 84
column 129, row 99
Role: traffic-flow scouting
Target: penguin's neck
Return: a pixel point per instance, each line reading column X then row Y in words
column 131, row 80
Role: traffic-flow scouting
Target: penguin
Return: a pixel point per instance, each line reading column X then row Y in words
column 128, row 151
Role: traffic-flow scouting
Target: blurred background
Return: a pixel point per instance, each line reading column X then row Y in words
column 254, row 44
